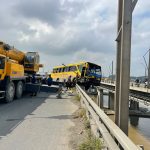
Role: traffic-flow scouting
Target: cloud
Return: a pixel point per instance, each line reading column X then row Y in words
column 47, row 10
column 64, row 31
column 80, row 28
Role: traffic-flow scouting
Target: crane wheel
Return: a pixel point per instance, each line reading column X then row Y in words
column 10, row 92
column 19, row 90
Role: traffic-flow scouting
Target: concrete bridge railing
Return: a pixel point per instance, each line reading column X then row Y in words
column 113, row 136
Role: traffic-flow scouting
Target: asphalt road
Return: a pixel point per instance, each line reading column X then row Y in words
column 36, row 123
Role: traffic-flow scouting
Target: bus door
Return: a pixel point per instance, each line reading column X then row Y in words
column 83, row 71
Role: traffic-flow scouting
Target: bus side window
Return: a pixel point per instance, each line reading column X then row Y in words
column 67, row 69
column 73, row 68
column 57, row 71
column 70, row 68
column 62, row 69
column 80, row 68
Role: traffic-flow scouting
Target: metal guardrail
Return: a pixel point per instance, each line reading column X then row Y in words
column 139, row 93
column 111, row 133
column 133, row 85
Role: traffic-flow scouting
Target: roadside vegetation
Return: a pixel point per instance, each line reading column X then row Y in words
column 89, row 142
column 77, row 97
column 82, row 137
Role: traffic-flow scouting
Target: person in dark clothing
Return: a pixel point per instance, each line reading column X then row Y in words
column 57, row 80
column 64, row 83
column 68, row 83
column 137, row 80
column 49, row 80
column 33, row 80
column 76, row 79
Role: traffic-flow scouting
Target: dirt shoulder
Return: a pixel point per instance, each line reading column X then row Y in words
column 78, row 132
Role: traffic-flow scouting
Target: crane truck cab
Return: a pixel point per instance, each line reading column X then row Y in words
column 12, row 78
column 31, row 62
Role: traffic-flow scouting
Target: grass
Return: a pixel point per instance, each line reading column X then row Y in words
column 87, row 124
column 82, row 113
column 91, row 143
column 77, row 97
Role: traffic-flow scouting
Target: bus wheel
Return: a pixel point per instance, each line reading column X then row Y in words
column 10, row 92
column 19, row 90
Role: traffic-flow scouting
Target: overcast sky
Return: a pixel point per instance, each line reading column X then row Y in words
column 66, row 31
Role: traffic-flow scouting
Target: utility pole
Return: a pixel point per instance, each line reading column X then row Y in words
column 118, row 40
column 112, row 68
column 148, row 84
column 126, row 8
column 147, row 68
column 145, row 72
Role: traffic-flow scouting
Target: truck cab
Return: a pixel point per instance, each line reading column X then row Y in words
column 31, row 62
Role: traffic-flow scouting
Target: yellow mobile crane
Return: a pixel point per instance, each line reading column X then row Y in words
column 16, row 67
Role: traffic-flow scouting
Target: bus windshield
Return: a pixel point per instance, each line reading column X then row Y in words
column 94, row 70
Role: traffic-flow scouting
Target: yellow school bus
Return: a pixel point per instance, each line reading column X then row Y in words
column 84, row 72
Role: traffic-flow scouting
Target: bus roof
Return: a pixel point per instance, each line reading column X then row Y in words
column 79, row 63
column 70, row 65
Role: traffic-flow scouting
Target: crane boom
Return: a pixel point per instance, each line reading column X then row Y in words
column 29, row 60
column 11, row 52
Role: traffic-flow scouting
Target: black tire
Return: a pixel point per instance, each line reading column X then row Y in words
column 19, row 90
column 10, row 92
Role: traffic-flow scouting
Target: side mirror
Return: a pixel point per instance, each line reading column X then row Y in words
column 6, row 47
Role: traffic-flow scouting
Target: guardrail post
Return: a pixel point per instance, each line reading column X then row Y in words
column 111, row 101
column 101, row 98
column 88, row 114
column 141, row 147
column 98, row 97
column 131, row 105
column 134, row 105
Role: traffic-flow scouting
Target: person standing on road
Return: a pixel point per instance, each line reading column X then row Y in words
column 49, row 80
column 77, row 78
column 33, row 80
column 68, row 83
